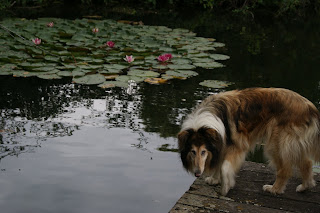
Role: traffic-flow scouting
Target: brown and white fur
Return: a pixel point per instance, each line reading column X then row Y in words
column 218, row 134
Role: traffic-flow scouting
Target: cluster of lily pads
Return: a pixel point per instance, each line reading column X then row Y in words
column 103, row 52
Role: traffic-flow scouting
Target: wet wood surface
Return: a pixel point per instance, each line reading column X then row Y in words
column 248, row 196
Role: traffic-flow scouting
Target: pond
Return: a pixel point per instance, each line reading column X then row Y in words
column 68, row 147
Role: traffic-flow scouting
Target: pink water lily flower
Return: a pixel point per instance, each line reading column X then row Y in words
column 95, row 30
column 36, row 41
column 110, row 44
column 128, row 58
column 50, row 24
column 168, row 55
column 164, row 57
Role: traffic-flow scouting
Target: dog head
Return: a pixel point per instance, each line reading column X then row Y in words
column 200, row 150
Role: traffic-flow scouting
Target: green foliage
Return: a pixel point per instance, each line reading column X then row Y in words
column 292, row 6
column 207, row 3
column 278, row 7
column 7, row 4
column 241, row 7
column 29, row 2
column 4, row 4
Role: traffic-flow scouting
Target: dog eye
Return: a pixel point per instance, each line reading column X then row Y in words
column 203, row 152
column 193, row 152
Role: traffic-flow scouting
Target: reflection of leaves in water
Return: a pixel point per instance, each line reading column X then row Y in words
column 145, row 144
column 163, row 113
column 15, row 150
column 57, row 111
column 20, row 135
column 117, row 110
column 143, row 141
column 123, row 111
column 45, row 109
column 50, row 129
column 166, row 148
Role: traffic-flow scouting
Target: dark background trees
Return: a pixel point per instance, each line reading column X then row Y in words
column 275, row 8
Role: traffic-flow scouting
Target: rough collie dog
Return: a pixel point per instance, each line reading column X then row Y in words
column 218, row 134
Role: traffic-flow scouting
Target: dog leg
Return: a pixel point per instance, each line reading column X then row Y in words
column 228, row 177
column 214, row 179
column 307, row 175
column 229, row 168
column 283, row 174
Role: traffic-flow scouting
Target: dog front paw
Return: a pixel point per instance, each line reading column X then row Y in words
column 225, row 189
column 301, row 188
column 212, row 180
column 308, row 185
column 272, row 190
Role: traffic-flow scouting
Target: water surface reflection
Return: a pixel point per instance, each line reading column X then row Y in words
column 81, row 149
column 75, row 148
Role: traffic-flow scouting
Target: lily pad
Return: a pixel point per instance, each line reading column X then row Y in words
column 181, row 66
column 126, row 78
column 169, row 77
column 110, row 77
column 63, row 53
column 181, row 61
column 6, row 72
column 110, row 71
column 96, row 61
column 89, row 79
column 160, row 66
column 143, row 73
column 65, row 73
column 110, row 84
column 114, row 66
column 206, row 48
column 22, row 73
column 71, row 49
column 156, row 80
column 209, row 65
column 52, row 58
column 202, row 60
column 27, row 65
column 181, row 73
column 7, row 67
column 49, row 76
column 215, row 84
column 43, row 69
column 198, row 55
column 218, row 57
column 218, row 44
column 78, row 72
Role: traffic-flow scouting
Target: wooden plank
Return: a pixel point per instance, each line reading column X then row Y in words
column 220, row 205
column 248, row 196
column 178, row 208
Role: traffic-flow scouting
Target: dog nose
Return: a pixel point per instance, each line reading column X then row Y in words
column 197, row 173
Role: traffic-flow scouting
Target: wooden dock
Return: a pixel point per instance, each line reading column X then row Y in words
column 248, row 196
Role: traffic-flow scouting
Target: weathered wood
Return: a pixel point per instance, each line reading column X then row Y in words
column 248, row 196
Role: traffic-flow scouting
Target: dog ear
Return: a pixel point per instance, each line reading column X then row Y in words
column 215, row 145
column 213, row 136
column 183, row 137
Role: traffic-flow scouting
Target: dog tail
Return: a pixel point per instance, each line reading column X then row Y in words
column 316, row 145
column 316, row 152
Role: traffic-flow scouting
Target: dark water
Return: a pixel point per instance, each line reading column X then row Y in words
column 75, row 148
